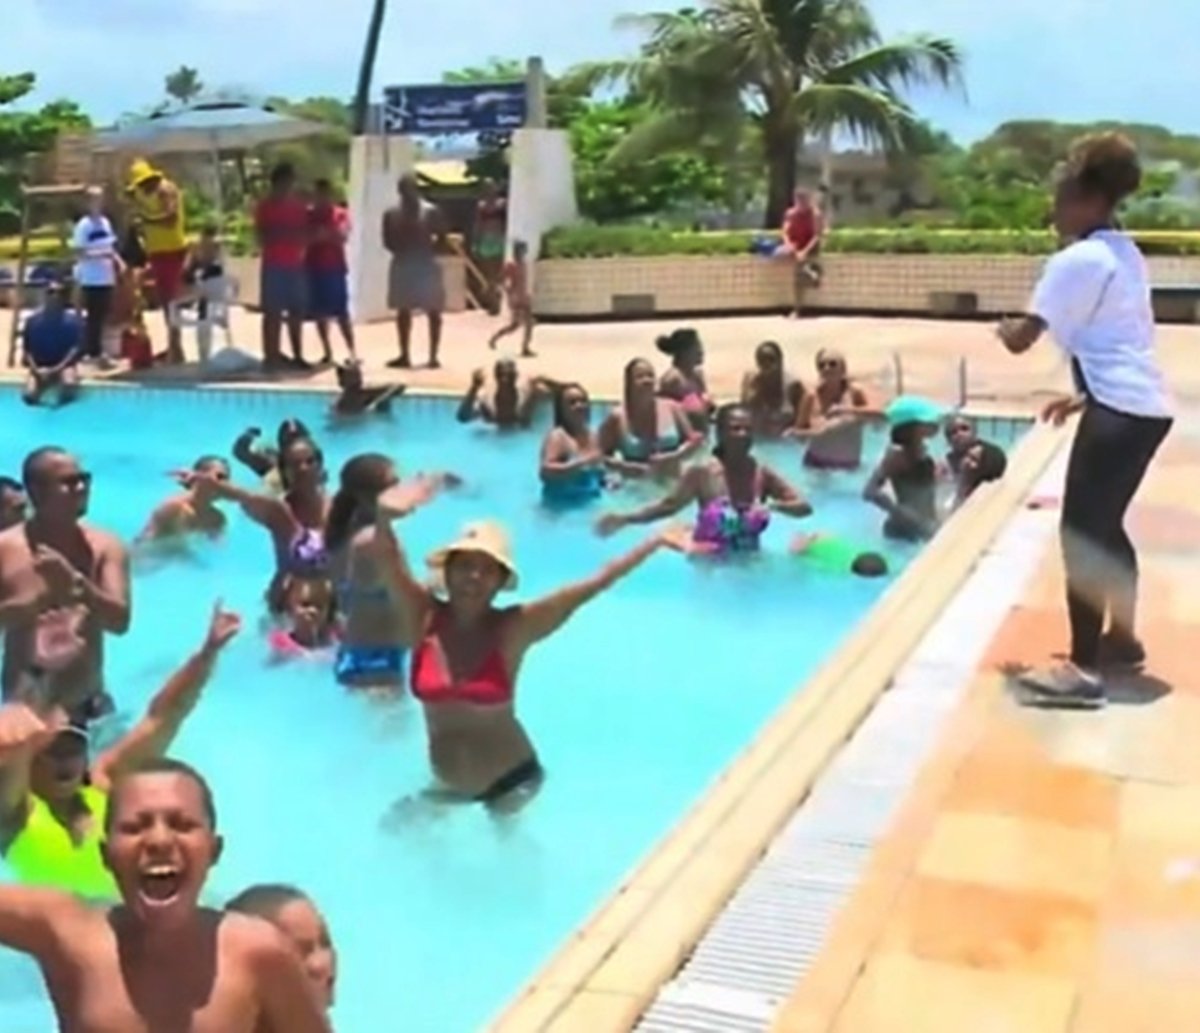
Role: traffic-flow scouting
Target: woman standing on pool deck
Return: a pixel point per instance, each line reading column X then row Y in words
column 375, row 638
column 684, row 382
column 646, row 434
column 572, row 468
column 1094, row 298
column 734, row 492
column 773, row 398
column 295, row 521
column 831, row 416
column 469, row 653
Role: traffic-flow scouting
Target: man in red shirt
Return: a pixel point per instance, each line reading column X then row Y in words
column 328, row 297
column 281, row 224
column 803, row 230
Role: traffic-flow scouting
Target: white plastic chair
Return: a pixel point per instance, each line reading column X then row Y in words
column 218, row 295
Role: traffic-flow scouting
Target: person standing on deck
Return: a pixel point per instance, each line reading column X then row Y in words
column 281, row 223
column 158, row 208
column 1094, row 298
column 414, row 233
column 488, row 240
column 96, row 268
column 52, row 567
column 328, row 291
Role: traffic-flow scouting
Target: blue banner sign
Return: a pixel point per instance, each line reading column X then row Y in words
column 455, row 108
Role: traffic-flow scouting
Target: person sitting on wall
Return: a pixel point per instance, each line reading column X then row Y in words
column 52, row 345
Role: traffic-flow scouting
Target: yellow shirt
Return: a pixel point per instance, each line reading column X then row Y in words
column 160, row 237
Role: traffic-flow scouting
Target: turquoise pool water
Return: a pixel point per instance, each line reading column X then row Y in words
column 635, row 705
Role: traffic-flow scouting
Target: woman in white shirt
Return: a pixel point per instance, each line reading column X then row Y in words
column 96, row 264
column 1094, row 298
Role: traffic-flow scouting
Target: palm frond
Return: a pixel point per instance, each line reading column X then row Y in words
column 912, row 61
column 871, row 116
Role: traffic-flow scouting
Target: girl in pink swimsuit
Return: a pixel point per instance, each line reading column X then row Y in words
column 684, row 382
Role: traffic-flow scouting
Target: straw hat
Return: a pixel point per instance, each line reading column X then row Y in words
column 140, row 171
column 484, row 536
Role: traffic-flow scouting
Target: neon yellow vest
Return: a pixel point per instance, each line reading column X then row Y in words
column 43, row 853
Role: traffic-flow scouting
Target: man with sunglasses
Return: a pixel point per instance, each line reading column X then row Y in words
column 54, row 563
column 51, row 347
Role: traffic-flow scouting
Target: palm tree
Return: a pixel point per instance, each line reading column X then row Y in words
column 184, row 84
column 366, row 68
column 792, row 69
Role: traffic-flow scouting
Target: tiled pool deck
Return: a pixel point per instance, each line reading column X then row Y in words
column 1043, row 873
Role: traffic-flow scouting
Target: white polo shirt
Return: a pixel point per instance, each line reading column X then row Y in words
column 96, row 244
column 1094, row 296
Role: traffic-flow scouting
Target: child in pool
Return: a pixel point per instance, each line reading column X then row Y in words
column 982, row 463
column 904, row 484
column 309, row 609
column 839, row 556
column 298, row 918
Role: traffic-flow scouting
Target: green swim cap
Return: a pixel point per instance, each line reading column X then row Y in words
column 914, row 409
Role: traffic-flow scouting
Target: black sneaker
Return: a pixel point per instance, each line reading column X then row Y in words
column 1119, row 651
column 1064, row 686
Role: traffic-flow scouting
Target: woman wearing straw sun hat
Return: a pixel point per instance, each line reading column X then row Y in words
column 158, row 205
column 468, row 651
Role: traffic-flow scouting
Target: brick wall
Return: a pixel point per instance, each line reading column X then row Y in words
column 894, row 283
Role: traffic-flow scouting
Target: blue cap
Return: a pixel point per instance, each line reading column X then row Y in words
column 914, row 409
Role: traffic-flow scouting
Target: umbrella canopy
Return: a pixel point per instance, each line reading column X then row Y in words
column 209, row 128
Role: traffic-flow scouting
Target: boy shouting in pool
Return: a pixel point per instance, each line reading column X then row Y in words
column 158, row 961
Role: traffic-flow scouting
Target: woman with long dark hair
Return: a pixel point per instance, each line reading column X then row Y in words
column 734, row 493
column 646, row 434
column 572, row 468
column 773, row 398
column 1094, row 299
column 684, row 382
column 375, row 636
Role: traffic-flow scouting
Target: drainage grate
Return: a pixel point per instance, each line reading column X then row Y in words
column 773, row 929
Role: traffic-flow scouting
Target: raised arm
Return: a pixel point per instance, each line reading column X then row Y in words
column 468, row 406
column 396, row 503
column 34, row 920
column 23, row 733
column 542, row 617
column 152, row 736
column 260, row 461
column 267, row 510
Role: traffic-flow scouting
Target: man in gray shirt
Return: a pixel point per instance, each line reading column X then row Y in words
column 414, row 233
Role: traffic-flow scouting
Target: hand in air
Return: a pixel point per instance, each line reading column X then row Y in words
column 402, row 499
column 57, row 640
column 23, row 729
column 222, row 628
column 55, row 569
column 477, row 378
column 609, row 524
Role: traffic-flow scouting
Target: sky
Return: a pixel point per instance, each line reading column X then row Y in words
column 1070, row 60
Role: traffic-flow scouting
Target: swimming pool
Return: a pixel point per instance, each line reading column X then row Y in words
column 635, row 706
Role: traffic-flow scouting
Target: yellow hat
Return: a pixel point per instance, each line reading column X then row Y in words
column 485, row 537
column 140, row 171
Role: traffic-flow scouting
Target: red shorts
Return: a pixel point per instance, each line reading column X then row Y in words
column 167, row 269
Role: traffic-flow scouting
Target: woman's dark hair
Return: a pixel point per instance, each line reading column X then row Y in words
column 770, row 348
column 630, row 366
column 1104, row 165
column 992, row 465
column 560, row 401
column 293, row 442
column 721, row 422
column 363, row 477
column 678, row 342
column 265, row 900
column 288, row 431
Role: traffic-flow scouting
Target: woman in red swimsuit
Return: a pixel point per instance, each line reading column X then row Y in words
column 468, row 653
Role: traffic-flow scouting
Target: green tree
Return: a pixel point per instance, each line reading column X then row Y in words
column 183, row 84
column 26, row 134
column 795, row 69
column 366, row 68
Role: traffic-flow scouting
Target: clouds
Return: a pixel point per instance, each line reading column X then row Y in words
column 1069, row 59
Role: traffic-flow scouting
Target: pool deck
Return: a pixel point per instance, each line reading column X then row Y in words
column 1043, row 871
column 1043, row 874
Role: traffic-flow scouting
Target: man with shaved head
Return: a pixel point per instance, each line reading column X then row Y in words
column 414, row 233
column 60, row 580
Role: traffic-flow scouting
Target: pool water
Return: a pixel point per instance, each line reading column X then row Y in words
column 636, row 704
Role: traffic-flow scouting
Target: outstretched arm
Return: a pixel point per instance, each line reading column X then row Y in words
column 267, row 510
column 538, row 619
column 34, row 920
column 23, row 732
column 686, row 490
column 153, row 735
column 398, row 502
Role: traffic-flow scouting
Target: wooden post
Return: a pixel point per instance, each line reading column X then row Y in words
column 22, row 262
column 536, row 113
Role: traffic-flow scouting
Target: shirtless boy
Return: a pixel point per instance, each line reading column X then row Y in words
column 157, row 961
column 512, row 400
column 54, row 561
column 520, row 300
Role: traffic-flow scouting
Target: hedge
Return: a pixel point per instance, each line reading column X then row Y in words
column 643, row 241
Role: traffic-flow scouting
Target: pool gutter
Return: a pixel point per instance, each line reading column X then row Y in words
column 611, row 968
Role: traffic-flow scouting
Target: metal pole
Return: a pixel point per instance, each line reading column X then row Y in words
column 962, row 383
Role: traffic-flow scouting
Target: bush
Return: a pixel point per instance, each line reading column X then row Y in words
column 587, row 241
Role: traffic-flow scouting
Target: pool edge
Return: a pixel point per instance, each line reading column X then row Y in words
column 612, row 966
